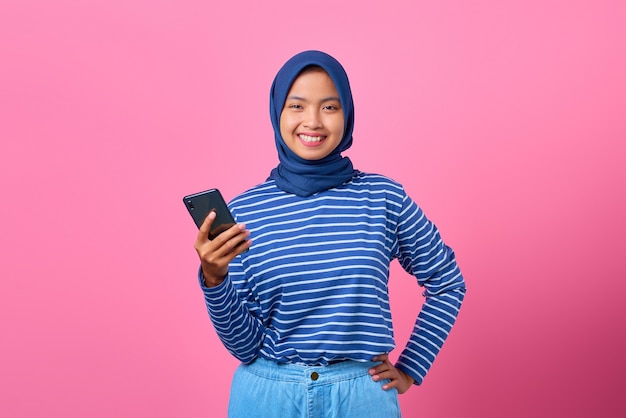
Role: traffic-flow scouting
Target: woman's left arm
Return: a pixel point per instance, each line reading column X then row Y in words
column 422, row 253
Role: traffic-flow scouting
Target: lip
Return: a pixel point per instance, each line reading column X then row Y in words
column 312, row 144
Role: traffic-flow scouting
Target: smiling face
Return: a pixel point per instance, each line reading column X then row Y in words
column 312, row 122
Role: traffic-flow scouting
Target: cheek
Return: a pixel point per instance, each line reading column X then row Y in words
column 337, row 124
column 287, row 124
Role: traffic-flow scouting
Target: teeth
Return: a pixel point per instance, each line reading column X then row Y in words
column 307, row 138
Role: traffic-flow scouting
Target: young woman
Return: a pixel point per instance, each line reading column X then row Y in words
column 306, row 308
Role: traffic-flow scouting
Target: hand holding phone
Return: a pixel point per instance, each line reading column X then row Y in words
column 215, row 255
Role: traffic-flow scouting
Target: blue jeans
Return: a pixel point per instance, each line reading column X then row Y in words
column 342, row 390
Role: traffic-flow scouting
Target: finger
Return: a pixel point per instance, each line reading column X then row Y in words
column 229, row 234
column 230, row 240
column 222, row 256
column 385, row 374
column 400, row 384
column 385, row 364
column 243, row 246
column 237, row 244
column 390, row 385
column 203, row 231
column 393, row 380
column 381, row 368
column 381, row 357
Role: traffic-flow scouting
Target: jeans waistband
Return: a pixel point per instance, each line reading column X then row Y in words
column 334, row 372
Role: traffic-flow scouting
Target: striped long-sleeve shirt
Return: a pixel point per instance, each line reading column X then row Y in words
column 313, row 287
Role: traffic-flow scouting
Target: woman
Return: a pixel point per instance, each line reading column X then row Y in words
column 297, row 290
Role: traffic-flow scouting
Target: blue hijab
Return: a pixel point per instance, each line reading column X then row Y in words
column 297, row 175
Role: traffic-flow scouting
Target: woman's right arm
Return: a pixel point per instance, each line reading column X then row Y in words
column 234, row 315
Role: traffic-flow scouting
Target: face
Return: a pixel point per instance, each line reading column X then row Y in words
column 311, row 122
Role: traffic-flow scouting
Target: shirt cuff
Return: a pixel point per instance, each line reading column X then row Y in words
column 220, row 289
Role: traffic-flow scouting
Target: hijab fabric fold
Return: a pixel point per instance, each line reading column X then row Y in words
column 293, row 173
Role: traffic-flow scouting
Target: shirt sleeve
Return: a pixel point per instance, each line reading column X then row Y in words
column 234, row 313
column 422, row 253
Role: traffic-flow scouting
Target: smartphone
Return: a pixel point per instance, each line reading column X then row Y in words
column 200, row 204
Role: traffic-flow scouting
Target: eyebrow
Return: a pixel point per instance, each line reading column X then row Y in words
column 327, row 99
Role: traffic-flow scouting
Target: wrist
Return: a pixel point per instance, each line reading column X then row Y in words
column 407, row 376
column 210, row 281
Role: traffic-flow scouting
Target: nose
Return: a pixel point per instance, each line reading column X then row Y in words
column 313, row 120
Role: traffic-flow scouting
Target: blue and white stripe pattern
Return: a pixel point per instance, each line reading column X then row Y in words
column 313, row 286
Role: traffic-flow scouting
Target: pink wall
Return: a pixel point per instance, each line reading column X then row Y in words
column 505, row 120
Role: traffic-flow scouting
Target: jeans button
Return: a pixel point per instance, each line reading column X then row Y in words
column 315, row 376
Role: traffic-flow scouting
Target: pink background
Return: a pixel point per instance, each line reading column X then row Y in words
column 505, row 120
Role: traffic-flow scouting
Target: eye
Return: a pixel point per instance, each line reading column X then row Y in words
column 331, row 108
column 295, row 106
